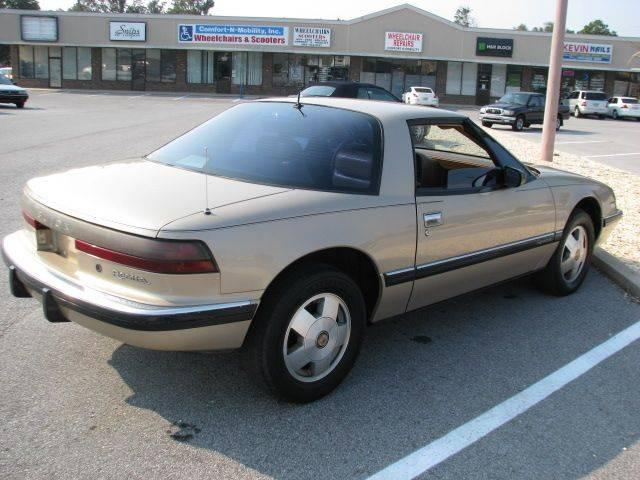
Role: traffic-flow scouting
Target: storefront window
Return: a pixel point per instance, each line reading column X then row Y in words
column 461, row 78
column 498, row 79
column 168, row 66
column 76, row 63
column 26, row 62
column 299, row 70
column 200, row 66
column 454, row 78
column 514, row 78
column 247, row 68
column 539, row 80
column 123, row 66
column 108, row 64
column 469, row 78
column 398, row 75
column 41, row 60
column 596, row 81
column 626, row 84
column 223, row 65
column 153, row 64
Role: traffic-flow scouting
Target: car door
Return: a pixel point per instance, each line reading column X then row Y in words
column 473, row 231
column 536, row 109
column 612, row 104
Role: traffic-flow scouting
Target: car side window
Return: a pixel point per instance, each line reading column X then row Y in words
column 379, row 94
column 583, row 95
column 536, row 101
column 448, row 159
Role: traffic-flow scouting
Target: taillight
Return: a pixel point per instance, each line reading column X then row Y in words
column 624, row 105
column 33, row 222
column 415, row 94
column 583, row 104
column 164, row 256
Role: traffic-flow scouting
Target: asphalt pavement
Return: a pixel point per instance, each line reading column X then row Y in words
column 75, row 404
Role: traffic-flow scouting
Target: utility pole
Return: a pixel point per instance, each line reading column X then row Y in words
column 553, row 84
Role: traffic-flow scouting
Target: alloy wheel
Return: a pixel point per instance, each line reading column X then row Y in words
column 317, row 337
column 574, row 253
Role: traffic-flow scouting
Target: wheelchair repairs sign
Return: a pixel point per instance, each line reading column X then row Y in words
column 233, row 34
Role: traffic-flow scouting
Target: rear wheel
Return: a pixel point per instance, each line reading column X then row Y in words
column 487, row 124
column 569, row 265
column 601, row 117
column 558, row 123
column 20, row 104
column 615, row 114
column 307, row 334
column 577, row 113
column 518, row 125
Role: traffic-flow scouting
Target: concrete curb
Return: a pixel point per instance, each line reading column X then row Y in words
column 617, row 271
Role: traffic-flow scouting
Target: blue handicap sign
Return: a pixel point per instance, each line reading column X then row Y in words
column 186, row 33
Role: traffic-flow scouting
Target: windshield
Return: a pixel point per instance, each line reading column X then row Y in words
column 318, row 91
column 629, row 100
column 316, row 147
column 595, row 96
column 515, row 98
column 4, row 80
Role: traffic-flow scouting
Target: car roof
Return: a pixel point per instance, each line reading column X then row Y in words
column 385, row 111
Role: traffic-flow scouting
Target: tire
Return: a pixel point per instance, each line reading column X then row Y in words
column 601, row 117
column 559, row 123
column 552, row 279
column 615, row 115
column 274, row 333
column 518, row 125
column 20, row 105
column 487, row 124
column 576, row 112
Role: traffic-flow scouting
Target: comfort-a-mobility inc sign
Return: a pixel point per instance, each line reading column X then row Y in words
column 233, row 34
column 587, row 52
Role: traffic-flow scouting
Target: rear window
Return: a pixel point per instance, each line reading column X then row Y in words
column 317, row 147
column 318, row 91
column 629, row 100
column 595, row 96
column 423, row 90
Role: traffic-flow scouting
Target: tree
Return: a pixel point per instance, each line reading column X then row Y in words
column 20, row 4
column 191, row 7
column 598, row 27
column 548, row 27
column 155, row 6
column 109, row 6
column 463, row 17
column 521, row 28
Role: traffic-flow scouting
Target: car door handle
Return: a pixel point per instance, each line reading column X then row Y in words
column 432, row 219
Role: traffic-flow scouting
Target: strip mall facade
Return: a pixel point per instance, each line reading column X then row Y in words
column 396, row 48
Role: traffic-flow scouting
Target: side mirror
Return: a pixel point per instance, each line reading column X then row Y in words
column 513, row 177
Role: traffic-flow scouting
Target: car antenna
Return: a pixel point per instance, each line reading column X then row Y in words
column 298, row 105
column 207, row 210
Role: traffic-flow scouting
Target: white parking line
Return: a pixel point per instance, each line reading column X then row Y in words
column 587, row 141
column 453, row 442
column 180, row 98
column 612, row 155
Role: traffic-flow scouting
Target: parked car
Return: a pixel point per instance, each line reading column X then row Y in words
column 520, row 110
column 623, row 107
column 11, row 93
column 420, row 96
column 7, row 72
column 349, row 90
column 587, row 102
column 285, row 229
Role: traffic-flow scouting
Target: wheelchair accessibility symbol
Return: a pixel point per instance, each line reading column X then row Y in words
column 186, row 33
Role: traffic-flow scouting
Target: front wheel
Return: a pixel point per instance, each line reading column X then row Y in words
column 307, row 334
column 569, row 265
column 577, row 113
column 518, row 125
column 558, row 123
column 20, row 105
column 487, row 124
column 615, row 114
column 601, row 117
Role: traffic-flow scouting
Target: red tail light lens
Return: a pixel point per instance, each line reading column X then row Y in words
column 33, row 222
column 415, row 94
column 624, row 105
column 170, row 257
column 584, row 104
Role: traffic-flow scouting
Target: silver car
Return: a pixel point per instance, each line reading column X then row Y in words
column 623, row 107
column 284, row 229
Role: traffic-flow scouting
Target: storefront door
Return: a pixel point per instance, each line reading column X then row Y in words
column 483, row 86
column 55, row 72
column 139, row 68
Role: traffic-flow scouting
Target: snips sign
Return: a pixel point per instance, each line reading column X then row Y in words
column 233, row 34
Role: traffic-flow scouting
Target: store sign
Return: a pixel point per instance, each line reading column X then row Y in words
column 233, row 34
column 312, row 37
column 494, row 47
column 403, row 42
column 587, row 52
column 128, row 31
column 38, row 28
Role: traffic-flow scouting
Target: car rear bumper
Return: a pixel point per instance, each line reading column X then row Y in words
column 622, row 112
column 220, row 326
column 493, row 118
column 593, row 111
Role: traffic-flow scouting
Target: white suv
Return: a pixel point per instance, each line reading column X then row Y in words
column 623, row 107
column 587, row 102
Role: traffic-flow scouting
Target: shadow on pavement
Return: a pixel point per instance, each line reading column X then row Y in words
column 418, row 377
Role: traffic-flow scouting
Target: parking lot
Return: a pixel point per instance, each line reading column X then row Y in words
column 77, row 405
column 612, row 142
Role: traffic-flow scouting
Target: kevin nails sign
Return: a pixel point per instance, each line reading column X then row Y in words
column 233, row 34
column 403, row 42
column 128, row 31
column 494, row 47
column 311, row 37
column 587, row 52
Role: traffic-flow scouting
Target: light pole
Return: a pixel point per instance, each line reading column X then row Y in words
column 553, row 84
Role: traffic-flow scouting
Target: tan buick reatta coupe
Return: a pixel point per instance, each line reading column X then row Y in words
column 284, row 228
